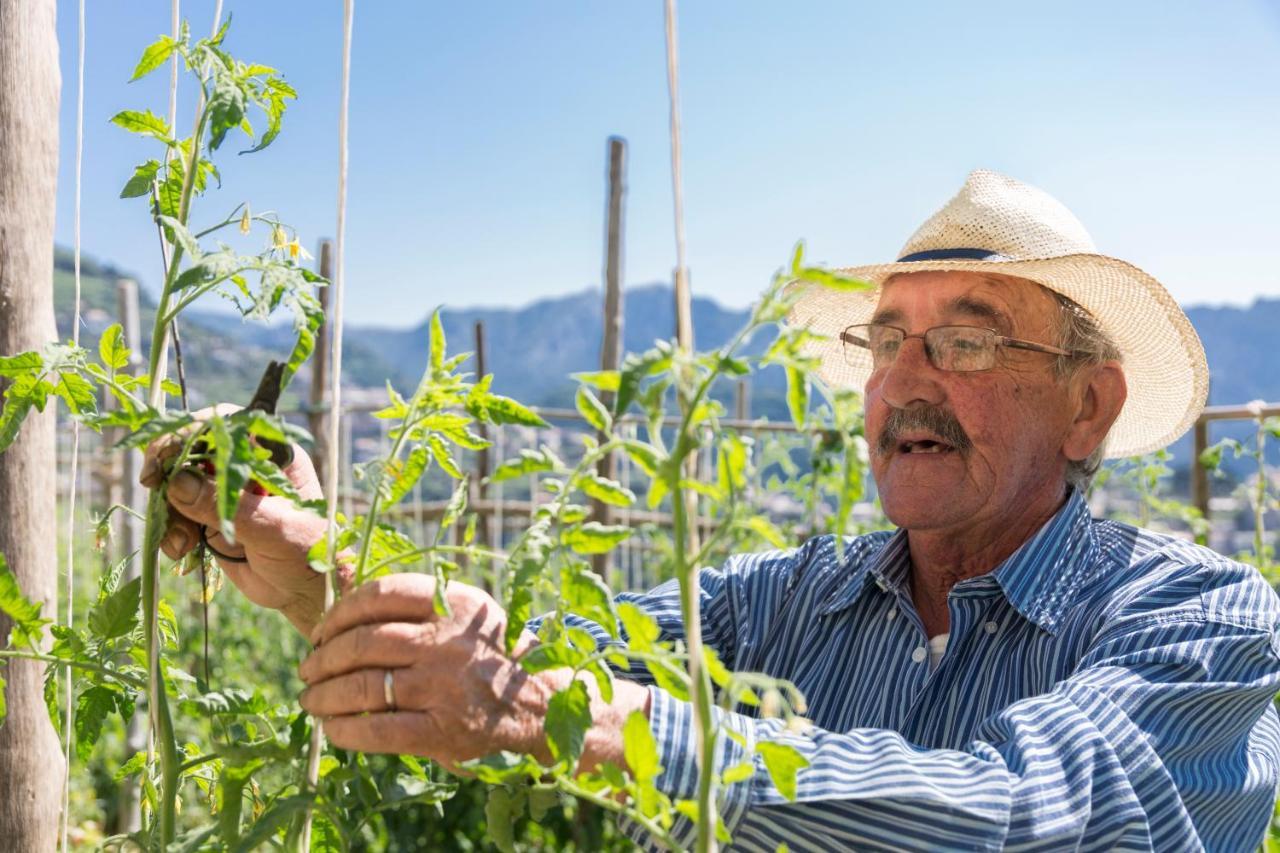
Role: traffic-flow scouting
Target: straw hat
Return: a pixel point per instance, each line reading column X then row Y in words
column 996, row 224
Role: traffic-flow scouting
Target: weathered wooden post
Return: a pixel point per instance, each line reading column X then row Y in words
column 30, row 761
column 1199, row 476
column 476, row 485
column 317, row 408
column 133, row 496
column 611, row 345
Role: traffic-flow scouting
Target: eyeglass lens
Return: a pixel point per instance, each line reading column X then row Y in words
column 958, row 348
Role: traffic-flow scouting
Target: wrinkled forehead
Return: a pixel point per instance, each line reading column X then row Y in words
column 1003, row 302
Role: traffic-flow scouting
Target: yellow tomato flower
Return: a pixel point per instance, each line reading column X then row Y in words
column 246, row 220
column 279, row 239
column 296, row 251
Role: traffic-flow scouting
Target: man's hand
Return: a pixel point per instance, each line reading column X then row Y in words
column 458, row 694
column 272, row 534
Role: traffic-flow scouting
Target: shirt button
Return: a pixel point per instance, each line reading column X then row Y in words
column 919, row 654
column 991, row 627
column 892, row 613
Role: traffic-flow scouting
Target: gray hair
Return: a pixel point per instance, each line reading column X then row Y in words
column 1089, row 346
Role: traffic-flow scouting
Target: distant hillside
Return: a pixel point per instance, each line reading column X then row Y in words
column 222, row 354
column 532, row 349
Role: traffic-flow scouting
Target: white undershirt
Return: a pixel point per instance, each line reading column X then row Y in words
column 937, row 648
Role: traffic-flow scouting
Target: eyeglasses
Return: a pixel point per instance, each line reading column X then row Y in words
column 956, row 348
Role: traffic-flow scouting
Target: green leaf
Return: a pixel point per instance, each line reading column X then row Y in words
column 592, row 410
column 276, row 817
column 765, row 529
column 797, row 396
column 456, row 505
column 92, row 708
column 140, row 183
column 112, row 350
column 180, row 236
column 136, row 764
column 520, row 600
column 231, row 451
column 154, row 56
column 14, row 413
column 77, row 392
column 504, row 410
column 634, row 370
column 586, row 595
column 12, row 366
column 155, row 425
column 541, row 801
column 640, row 748
column 567, row 721
column 606, row 490
column 605, row 380
column 27, row 624
column 403, row 475
column 782, row 761
column 500, row 818
column 143, row 123
column 228, row 702
column 437, row 343
column 740, row 772
column 226, row 108
column 645, row 456
column 443, row 458
column 118, row 613
column 595, row 538
column 834, row 281
column 528, row 462
column 642, row 629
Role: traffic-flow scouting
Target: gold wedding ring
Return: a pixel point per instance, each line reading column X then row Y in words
column 389, row 689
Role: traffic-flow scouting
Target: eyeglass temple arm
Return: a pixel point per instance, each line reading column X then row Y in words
column 1030, row 345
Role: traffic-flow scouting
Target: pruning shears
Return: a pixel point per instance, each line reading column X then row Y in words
column 265, row 399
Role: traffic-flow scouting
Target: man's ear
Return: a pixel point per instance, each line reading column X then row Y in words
column 1101, row 395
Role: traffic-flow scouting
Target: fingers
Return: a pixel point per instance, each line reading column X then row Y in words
column 394, row 598
column 398, row 733
column 354, row 693
column 168, row 446
column 388, row 645
column 195, row 497
column 180, row 537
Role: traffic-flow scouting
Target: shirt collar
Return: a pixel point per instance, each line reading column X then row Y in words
column 1040, row 579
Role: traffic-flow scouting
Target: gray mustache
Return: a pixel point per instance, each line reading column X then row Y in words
column 935, row 419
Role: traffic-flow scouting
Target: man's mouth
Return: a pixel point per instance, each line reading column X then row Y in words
column 924, row 445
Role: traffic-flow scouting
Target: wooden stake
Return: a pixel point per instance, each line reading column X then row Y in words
column 30, row 759
column 132, row 495
column 317, row 410
column 611, row 345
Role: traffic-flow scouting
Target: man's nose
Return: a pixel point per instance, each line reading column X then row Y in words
column 911, row 379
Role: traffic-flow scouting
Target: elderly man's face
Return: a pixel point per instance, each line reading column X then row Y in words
column 1014, row 418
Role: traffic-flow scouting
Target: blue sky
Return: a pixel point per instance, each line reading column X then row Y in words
column 478, row 135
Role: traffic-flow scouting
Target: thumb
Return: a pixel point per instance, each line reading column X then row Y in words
column 194, row 496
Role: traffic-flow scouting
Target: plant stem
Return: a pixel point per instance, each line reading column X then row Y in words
column 700, row 683
column 157, row 696
column 135, row 683
column 570, row 787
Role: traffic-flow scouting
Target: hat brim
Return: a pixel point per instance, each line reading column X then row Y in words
column 1164, row 361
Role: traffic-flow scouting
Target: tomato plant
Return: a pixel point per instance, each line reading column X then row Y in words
column 249, row 771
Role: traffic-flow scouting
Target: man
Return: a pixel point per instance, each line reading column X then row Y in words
column 1001, row 671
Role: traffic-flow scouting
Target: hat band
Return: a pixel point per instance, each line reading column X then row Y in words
column 954, row 255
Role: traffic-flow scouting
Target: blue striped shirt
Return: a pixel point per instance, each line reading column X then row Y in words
column 1105, row 687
